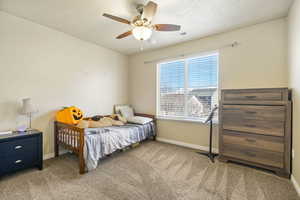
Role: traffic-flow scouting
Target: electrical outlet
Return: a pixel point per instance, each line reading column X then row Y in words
column 293, row 154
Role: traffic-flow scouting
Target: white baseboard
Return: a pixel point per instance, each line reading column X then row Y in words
column 48, row 156
column 188, row 145
column 296, row 184
column 52, row 155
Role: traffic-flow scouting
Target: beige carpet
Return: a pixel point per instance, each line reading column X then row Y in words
column 153, row 171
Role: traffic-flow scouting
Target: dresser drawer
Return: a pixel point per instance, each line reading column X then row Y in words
column 268, row 143
column 267, row 120
column 264, row 127
column 272, row 113
column 255, row 95
column 264, row 157
column 17, row 162
column 18, row 146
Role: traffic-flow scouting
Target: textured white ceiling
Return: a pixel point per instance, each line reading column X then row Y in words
column 199, row 18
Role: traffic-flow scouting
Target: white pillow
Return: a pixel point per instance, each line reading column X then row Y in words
column 127, row 112
column 118, row 108
column 139, row 120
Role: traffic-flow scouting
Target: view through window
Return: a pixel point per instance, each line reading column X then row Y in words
column 188, row 88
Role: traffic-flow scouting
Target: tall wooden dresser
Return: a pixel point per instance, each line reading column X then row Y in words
column 255, row 128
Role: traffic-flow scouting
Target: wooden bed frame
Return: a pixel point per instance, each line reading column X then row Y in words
column 72, row 139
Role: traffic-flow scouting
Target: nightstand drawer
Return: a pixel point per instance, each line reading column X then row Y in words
column 18, row 147
column 14, row 163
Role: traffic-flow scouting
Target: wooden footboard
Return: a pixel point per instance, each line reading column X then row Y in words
column 71, row 138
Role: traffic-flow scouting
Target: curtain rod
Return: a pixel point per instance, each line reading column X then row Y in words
column 232, row 45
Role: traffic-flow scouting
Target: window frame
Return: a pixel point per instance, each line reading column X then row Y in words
column 185, row 59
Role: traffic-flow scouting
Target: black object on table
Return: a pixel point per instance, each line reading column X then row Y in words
column 21, row 150
column 209, row 120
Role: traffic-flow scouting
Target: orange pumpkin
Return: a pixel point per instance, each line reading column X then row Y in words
column 69, row 115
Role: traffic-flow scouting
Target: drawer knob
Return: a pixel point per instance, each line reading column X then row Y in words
column 18, row 147
column 250, row 97
column 250, row 140
column 250, row 154
column 250, row 112
column 18, row 161
column 250, row 125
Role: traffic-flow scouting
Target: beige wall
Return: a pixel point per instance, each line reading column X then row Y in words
column 294, row 80
column 55, row 70
column 259, row 61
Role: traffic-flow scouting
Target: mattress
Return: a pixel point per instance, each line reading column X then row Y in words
column 100, row 142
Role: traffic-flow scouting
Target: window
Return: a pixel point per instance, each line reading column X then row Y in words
column 187, row 89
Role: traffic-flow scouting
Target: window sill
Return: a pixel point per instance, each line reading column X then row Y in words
column 200, row 121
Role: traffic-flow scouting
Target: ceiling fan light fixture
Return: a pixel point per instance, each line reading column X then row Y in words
column 141, row 25
column 142, row 33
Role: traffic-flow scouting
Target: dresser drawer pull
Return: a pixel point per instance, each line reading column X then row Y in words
column 250, row 125
column 250, row 140
column 18, row 147
column 18, row 161
column 250, row 112
column 230, row 109
column 250, row 154
column 250, row 97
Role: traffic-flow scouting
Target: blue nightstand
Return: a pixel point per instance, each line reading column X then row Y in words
column 20, row 151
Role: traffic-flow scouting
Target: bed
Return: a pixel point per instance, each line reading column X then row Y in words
column 92, row 144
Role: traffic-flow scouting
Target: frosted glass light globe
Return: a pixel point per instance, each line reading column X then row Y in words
column 142, row 33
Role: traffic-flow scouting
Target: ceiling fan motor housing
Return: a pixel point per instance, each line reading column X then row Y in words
column 138, row 21
column 140, row 8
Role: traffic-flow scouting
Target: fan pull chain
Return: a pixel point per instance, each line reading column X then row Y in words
column 142, row 45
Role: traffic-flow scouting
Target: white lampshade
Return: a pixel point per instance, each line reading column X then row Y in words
column 28, row 107
column 142, row 33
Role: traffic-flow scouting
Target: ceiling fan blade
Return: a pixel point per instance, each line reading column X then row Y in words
column 149, row 11
column 167, row 27
column 119, row 19
column 124, row 35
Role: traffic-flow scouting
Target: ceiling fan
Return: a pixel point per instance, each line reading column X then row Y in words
column 142, row 26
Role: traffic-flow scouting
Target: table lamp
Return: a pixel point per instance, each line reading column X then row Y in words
column 28, row 109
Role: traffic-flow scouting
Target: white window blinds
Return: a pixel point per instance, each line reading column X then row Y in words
column 188, row 89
